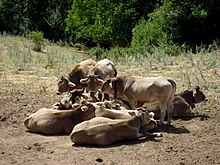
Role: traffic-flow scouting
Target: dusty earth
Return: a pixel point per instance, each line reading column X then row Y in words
column 192, row 141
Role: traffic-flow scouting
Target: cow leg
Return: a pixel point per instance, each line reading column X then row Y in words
column 169, row 111
column 106, row 97
column 162, row 114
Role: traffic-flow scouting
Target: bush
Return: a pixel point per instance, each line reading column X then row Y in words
column 179, row 22
column 38, row 40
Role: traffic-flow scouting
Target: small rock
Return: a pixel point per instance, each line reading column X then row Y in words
column 99, row 160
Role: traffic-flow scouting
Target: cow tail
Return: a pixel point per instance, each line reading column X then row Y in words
column 115, row 73
column 173, row 83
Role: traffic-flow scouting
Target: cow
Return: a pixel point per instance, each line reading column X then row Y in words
column 104, row 68
column 72, row 80
column 144, row 89
column 106, row 131
column 193, row 96
column 103, row 109
column 69, row 99
column 183, row 103
column 52, row 122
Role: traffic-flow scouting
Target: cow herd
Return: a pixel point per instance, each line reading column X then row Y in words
column 102, row 108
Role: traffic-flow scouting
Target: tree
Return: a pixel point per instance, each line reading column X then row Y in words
column 105, row 21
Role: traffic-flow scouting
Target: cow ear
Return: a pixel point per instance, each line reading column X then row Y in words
column 107, row 77
column 58, row 77
column 197, row 88
column 85, row 97
column 72, row 85
column 194, row 92
column 84, row 80
column 151, row 114
column 132, row 113
column 100, row 81
column 84, row 108
column 77, row 99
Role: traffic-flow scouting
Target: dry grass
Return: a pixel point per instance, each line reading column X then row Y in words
column 28, row 83
column 22, row 69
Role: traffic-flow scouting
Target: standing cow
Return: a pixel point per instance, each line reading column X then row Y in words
column 97, row 74
column 144, row 89
column 72, row 80
column 183, row 103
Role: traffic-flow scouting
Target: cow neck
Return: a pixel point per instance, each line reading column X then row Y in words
column 117, row 84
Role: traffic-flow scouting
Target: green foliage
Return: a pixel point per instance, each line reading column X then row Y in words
column 105, row 22
column 38, row 39
column 179, row 22
column 48, row 16
column 13, row 16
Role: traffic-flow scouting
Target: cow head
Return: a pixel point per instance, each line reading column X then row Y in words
column 198, row 95
column 107, row 86
column 64, row 85
column 74, row 94
column 145, row 118
column 93, row 83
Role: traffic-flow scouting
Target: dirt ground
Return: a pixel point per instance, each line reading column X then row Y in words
column 194, row 141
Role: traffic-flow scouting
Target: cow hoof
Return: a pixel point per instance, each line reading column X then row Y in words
column 170, row 124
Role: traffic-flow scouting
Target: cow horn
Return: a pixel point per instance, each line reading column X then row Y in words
column 84, row 80
column 72, row 85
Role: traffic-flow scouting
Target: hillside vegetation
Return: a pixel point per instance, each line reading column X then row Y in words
column 28, row 83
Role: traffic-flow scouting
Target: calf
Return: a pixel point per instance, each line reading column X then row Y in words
column 105, row 131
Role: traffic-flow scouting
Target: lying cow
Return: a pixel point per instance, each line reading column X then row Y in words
column 105, row 131
column 97, row 74
column 72, row 80
column 51, row 121
column 104, row 109
column 183, row 103
column 149, row 89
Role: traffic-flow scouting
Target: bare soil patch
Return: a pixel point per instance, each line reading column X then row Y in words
column 192, row 141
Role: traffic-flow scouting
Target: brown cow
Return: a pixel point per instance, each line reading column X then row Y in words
column 51, row 121
column 103, row 109
column 105, row 131
column 148, row 89
column 182, row 102
column 72, row 81
column 97, row 74
column 193, row 96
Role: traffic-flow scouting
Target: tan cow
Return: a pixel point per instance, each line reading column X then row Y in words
column 97, row 74
column 102, row 109
column 105, row 131
column 144, row 89
column 51, row 121
column 183, row 103
column 72, row 80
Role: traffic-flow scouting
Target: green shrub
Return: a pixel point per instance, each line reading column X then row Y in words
column 38, row 40
column 185, row 22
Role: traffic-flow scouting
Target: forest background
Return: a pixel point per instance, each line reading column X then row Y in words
column 129, row 25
